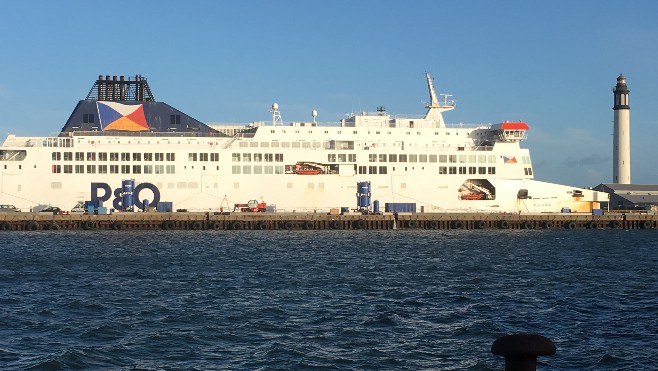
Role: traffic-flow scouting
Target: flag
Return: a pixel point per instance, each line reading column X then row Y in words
column 509, row 160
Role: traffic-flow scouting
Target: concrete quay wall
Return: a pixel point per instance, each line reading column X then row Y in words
column 320, row 221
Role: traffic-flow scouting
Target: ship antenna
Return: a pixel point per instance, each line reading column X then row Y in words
column 434, row 102
column 276, row 115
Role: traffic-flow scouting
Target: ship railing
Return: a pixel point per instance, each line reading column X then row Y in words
column 194, row 134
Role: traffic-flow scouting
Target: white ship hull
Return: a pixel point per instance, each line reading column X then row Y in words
column 296, row 167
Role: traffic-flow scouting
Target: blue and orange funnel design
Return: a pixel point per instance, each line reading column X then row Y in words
column 125, row 117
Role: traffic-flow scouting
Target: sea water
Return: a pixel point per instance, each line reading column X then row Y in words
column 343, row 300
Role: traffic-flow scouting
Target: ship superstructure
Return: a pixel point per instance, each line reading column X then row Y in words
column 121, row 132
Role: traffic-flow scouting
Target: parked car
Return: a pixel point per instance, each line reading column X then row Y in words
column 79, row 207
column 8, row 209
column 52, row 209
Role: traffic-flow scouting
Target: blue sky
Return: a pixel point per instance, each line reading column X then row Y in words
column 551, row 64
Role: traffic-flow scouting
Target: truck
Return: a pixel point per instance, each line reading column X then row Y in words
column 252, row 206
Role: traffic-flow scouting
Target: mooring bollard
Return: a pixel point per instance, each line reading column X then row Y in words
column 521, row 350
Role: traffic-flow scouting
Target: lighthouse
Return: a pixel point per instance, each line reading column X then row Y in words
column 621, row 141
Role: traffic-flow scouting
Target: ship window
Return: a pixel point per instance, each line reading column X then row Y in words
column 91, row 156
column 331, row 157
column 79, row 156
column 246, row 169
column 91, row 169
column 472, row 158
column 68, row 156
column 482, row 170
column 482, row 159
column 278, row 157
column 253, row 144
column 306, row 145
column 148, row 169
column 88, row 118
column 258, row 169
column 382, row 158
column 342, row 157
column 79, row 169
column 159, row 169
column 382, row 170
column 372, row 169
column 246, row 157
column 137, row 156
column 125, row 169
column 491, row 170
column 171, row 157
column 236, row 169
column 171, row 169
column 310, row 186
column 462, row 159
column 235, row 157
column 413, row 158
column 372, row 158
column 148, row 157
column 102, row 169
column 269, row 169
column 181, row 185
column 125, row 156
column 462, row 170
column 269, row 157
column 114, row 169
column 56, row 168
column 278, row 169
column 452, row 170
column 137, row 169
column 443, row 170
column 159, row 157
column 191, row 156
column 432, row 158
column 422, row 158
column 452, row 159
column 68, row 169
column 363, row 170
column 56, row 156
column 351, row 157
column 214, row 157
column 285, row 144
column 114, row 156
column 174, row 119
column 443, row 158
column 472, row 170
column 392, row 158
column 492, row 159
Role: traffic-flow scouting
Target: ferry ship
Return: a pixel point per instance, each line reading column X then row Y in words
column 119, row 133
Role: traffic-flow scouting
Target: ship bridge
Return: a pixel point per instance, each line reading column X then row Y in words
column 509, row 131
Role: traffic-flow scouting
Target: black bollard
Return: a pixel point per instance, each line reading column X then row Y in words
column 521, row 350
